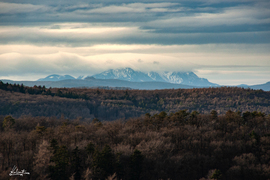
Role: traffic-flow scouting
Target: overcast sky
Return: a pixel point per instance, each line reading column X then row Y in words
column 225, row 41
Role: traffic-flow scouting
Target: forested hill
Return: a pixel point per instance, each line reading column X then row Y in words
column 18, row 100
column 175, row 146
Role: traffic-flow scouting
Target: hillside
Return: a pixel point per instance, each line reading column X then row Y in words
column 181, row 145
column 17, row 100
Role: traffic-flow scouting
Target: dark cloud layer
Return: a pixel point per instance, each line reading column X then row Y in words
column 167, row 22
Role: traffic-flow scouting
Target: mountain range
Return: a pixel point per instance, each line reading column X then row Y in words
column 129, row 78
column 128, row 74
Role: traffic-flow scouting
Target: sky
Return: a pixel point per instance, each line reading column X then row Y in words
column 225, row 41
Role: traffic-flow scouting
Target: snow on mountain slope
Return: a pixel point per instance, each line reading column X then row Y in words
column 127, row 74
column 155, row 76
column 172, row 77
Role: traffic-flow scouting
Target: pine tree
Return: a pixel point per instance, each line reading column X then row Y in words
column 76, row 164
column 216, row 175
column 60, row 160
column 8, row 122
column 103, row 163
column 136, row 165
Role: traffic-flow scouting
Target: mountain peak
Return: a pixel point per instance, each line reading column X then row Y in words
column 127, row 74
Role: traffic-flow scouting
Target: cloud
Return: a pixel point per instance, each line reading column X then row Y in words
column 134, row 8
column 84, row 12
column 166, row 18
column 232, row 19
column 14, row 8
column 70, row 63
column 86, row 34
column 69, row 36
column 45, row 60
column 215, row 50
column 145, row 11
column 216, row 55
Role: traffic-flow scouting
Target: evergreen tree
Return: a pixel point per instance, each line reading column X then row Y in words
column 103, row 163
column 90, row 148
column 214, row 115
column 60, row 160
column 216, row 175
column 76, row 164
column 136, row 165
column 8, row 122
column 162, row 114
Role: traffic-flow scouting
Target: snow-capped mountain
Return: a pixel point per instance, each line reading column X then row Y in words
column 56, row 77
column 128, row 74
column 188, row 78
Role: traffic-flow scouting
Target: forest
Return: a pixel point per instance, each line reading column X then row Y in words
column 112, row 104
column 104, row 134
column 163, row 146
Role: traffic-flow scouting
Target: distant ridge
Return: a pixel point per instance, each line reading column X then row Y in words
column 265, row 87
column 56, row 77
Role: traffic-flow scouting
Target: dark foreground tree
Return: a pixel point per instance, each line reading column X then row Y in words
column 136, row 162
column 103, row 163
column 60, row 161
